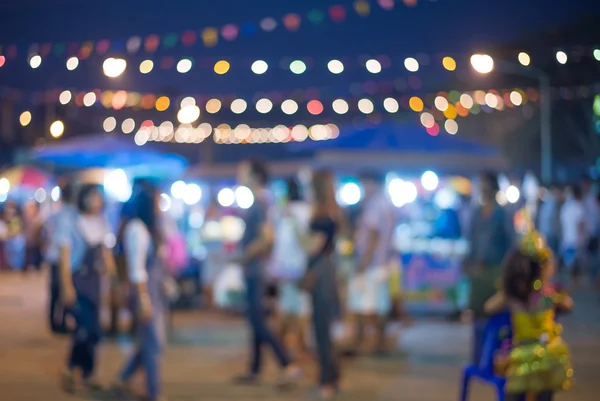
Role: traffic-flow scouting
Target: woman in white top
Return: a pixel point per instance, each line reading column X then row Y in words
column 289, row 263
column 143, row 246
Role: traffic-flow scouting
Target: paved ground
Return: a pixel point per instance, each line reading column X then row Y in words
column 206, row 350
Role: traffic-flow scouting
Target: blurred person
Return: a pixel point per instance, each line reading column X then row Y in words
column 67, row 211
column 538, row 363
column 14, row 243
column 549, row 218
column 592, row 213
column 369, row 298
column 575, row 234
column 289, row 264
column 144, row 245
column 257, row 242
column 32, row 227
column 490, row 236
column 83, row 257
column 320, row 278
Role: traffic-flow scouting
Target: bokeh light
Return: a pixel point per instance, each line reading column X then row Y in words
column 2, row 60
column 184, row 65
column 222, row 67
column 335, row 66
column 178, row 189
column 35, row 61
column 299, row 133
column 482, row 63
column 491, row 100
column 596, row 54
column 146, row 66
column 516, row 98
column 449, row 63
column 89, row 99
column 314, row 107
column 391, row 105
column 109, row 125
column 264, row 106
column 441, row 103
column 297, row 66
column 349, row 194
column 238, row 106
column 524, row 59
column 25, row 118
column 162, row 103
column 187, row 101
column 128, row 126
column 57, row 129
column 340, row 106
column 429, row 180
column 65, row 97
column 466, row 100
column 192, row 194
column 188, row 114
column 373, row 66
column 512, row 194
column 451, row 127
column 411, row 64
column 450, row 112
column 433, row 130
column 365, row 106
column 416, row 104
column 226, row 197
column 114, row 67
column 289, row 106
column 259, row 67
column 244, row 197
column 561, row 57
column 72, row 63
column 213, row 106
column 427, row 120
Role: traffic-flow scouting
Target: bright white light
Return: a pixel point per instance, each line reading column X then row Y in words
column 4, row 186
column 441, row 103
column 117, row 185
column 445, row 198
column 264, row 106
column 57, row 129
column 110, row 123
column 192, row 194
column 164, row 204
column 238, row 106
column 226, row 197
column 39, row 195
column 244, row 197
column 35, row 61
column 178, row 189
column 184, row 65
column 451, row 126
column 391, row 105
column 3, row 197
column 512, row 194
column 196, row 219
column 65, row 97
column 429, row 180
column 335, row 66
column 55, row 194
column 395, row 188
column 411, row 64
column 349, row 194
column 482, row 63
column 516, row 98
column 366, row 106
column 113, row 67
column 89, row 99
column 72, row 63
column 561, row 57
column 340, row 106
column 289, row 106
column 188, row 114
column 524, row 59
column 501, row 198
column 128, row 126
column 187, row 101
column 409, row 192
column 259, row 67
column 491, row 100
column 373, row 66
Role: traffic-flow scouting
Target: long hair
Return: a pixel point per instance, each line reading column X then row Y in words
column 520, row 274
column 84, row 195
column 324, row 202
column 146, row 211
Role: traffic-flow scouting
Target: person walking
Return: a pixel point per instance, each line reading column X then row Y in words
column 575, row 234
column 320, row 279
column 256, row 244
column 143, row 245
column 82, row 239
column 369, row 298
column 68, row 212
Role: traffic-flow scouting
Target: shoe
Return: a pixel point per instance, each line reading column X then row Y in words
column 92, row 384
column 67, row 382
column 289, row 378
column 246, row 380
column 120, row 388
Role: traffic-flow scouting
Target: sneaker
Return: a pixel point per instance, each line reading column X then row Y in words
column 289, row 378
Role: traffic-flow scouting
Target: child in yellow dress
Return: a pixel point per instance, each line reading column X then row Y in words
column 539, row 362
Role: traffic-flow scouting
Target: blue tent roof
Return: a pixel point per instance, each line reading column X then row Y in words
column 102, row 150
column 403, row 137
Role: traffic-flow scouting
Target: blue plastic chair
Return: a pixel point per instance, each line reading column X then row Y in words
column 484, row 370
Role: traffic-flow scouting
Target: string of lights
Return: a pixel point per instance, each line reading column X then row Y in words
column 114, row 67
column 209, row 36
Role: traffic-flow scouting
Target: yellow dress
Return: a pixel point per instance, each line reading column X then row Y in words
column 540, row 359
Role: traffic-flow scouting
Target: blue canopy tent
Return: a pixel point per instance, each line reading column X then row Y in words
column 400, row 146
column 110, row 151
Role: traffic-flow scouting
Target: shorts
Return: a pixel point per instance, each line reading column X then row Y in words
column 369, row 293
column 293, row 301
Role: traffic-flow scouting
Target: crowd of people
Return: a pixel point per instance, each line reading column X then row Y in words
column 292, row 246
